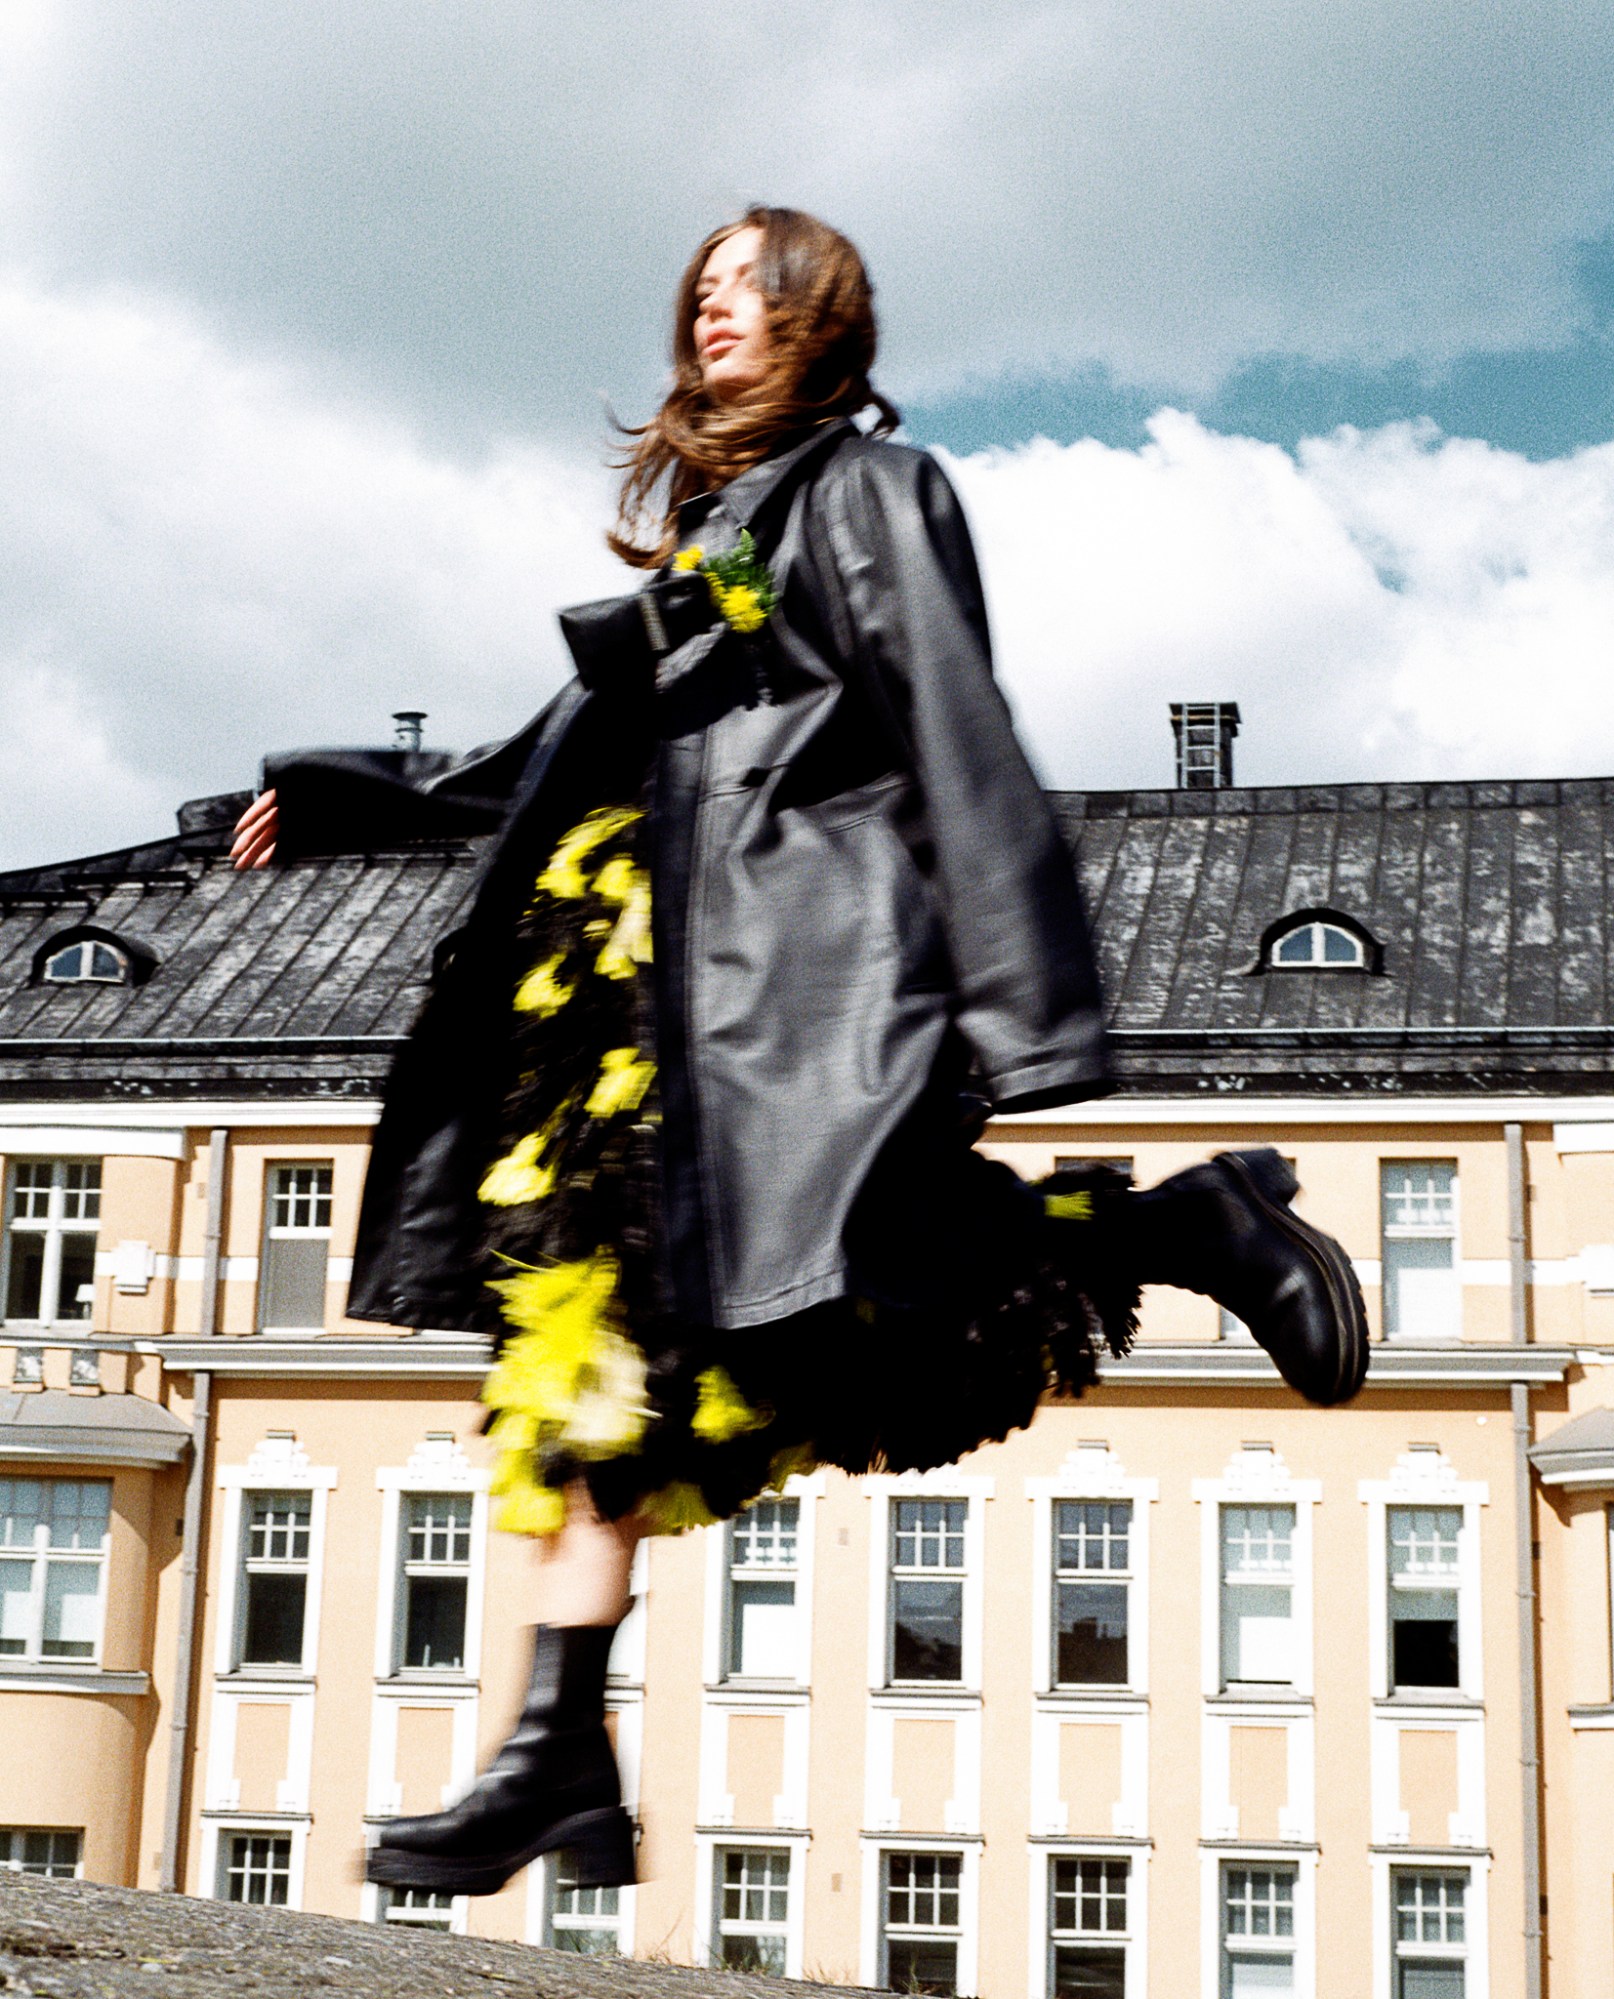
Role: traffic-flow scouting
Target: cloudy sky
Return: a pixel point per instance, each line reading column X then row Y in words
column 1270, row 342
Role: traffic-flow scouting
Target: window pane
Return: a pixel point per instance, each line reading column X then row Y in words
column 1430, row 1981
column 1260, row 1977
column 258, row 1869
column 927, row 1637
column 764, row 1631
column 1339, row 946
column 293, row 1291
column 1092, row 1633
column 1092, row 1534
column 584, row 1942
column 25, row 1274
column 1422, row 1298
column 764, row 1536
column 1084, row 1972
column 753, row 1953
column 75, row 1291
column 929, row 1533
column 918, row 1965
column 435, row 1629
column 1256, row 1632
column 20, row 1500
column 16, row 1602
column 1296, row 948
column 278, row 1527
column 273, row 1633
column 78, row 1511
column 438, row 1527
column 51, row 1854
column 72, row 1609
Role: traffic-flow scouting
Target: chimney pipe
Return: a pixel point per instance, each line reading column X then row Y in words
column 408, row 724
column 1204, row 732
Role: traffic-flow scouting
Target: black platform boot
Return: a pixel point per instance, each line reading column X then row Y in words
column 1226, row 1229
column 553, row 1785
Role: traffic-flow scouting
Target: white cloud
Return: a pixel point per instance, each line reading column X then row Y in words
column 1386, row 605
column 200, row 560
column 482, row 209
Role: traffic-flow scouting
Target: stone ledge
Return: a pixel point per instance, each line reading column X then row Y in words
column 76, row 1940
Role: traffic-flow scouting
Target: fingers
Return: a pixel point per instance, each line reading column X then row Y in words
column 255, row 833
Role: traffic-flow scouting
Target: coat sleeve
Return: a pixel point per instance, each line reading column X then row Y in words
column 1027, row 986
column 357, row 801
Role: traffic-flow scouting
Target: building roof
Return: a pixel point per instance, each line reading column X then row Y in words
column 1579, row 1452
column 96, row 1429
column 1484, row 910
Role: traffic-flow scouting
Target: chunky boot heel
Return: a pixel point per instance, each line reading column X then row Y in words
column 1271, row 1173
column 1226, row 1230
column 553, row 1787
column 601, row 1846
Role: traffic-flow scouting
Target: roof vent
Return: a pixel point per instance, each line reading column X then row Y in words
column 409, row 724
column 1204, row 731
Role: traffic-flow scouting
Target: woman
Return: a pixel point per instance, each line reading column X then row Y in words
column 774, row 913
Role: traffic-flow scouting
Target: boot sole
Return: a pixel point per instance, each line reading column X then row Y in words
column 1270, row 1182
column 601, row 1843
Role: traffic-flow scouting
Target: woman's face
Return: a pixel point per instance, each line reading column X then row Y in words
column 731, row 331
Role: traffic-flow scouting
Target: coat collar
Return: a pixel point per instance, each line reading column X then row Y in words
column 744, row 498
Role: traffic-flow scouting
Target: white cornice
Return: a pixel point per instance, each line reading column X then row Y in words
column 1244, row 1108
column 166, row 1117
column 401, row 1357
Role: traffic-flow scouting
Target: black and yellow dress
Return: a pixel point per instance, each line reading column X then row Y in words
column 597, row 1379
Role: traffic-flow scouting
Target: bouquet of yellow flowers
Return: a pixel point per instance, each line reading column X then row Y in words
column 741, row 587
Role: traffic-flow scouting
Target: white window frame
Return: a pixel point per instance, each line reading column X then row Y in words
column 718, row 1634
column 1132, row 1943
column 52, row 1227
column 882, row 1492
column 118, row 976
column 1425, row 1478
column 1476, row 1867
column 1319, row 928
column 277, row 1465
column 1257, row 1476
column 384, row 1910
column 12, row 1849
column 274, row 1231
column 408, row 1570
column 227, row 1831
column 43, row 1557
column 438, row 1464
column 1093, row 1473
column 872, row 1970
column 1302, row 1946
column 788, row 1932
column 1421, row 1232
column 543, row 1893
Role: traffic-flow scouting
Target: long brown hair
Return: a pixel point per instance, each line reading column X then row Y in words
column 821, row 340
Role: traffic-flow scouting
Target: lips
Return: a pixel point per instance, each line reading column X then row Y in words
column 720, row 343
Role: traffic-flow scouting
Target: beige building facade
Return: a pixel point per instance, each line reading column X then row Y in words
column 1186, row 1690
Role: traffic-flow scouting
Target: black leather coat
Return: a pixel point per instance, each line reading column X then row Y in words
column 861, row 902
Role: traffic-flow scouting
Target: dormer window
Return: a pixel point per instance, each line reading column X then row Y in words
column 87, row 955
column 1318, row 940
column 88, row 962
column 1318, row 944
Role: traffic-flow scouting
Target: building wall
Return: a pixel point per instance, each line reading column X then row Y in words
column 1337, row 1780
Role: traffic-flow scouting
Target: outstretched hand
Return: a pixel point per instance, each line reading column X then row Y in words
column 255, row 831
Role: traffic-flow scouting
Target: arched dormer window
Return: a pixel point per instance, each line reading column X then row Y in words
column 84, row 956
column 89, row 962
column 1318, row 940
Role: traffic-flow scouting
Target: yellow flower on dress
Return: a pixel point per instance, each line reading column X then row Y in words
column 629, row 944
column 542, row 992
column 563, row 876
column 742, row 607
column 721, row 1411
column 569, row 1375
column 624, row 1078
column 1069, row 1207
column 519, row 1176
column 689, row 558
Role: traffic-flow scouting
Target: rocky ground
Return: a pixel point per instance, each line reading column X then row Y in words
column 74, row 1940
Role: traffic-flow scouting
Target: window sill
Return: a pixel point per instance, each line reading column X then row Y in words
column 1427, row 1697
column 1592, row 1714
column 1106, row 1694
column 68, row 1677
column 279, row 1676
column 935, row 1693
column 1259, row 1693
column 416, row 1679
column 751, row 1686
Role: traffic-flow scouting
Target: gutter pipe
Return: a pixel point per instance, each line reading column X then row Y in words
column 1524, row 1565
column 190, row 1575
